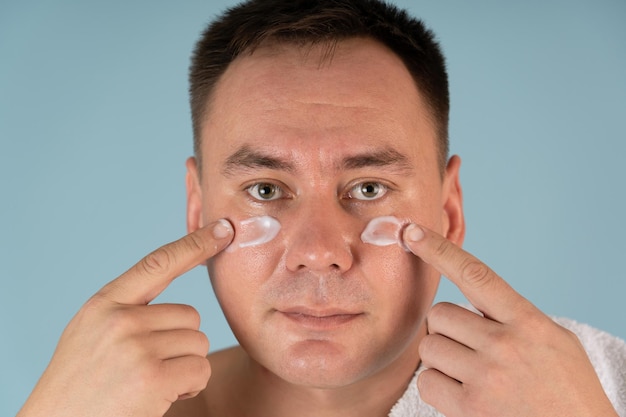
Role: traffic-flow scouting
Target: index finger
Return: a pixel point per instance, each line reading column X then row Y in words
column 149, row 277
column 484, row 289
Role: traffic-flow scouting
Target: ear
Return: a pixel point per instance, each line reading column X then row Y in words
column 194, row 196
column 453, row 217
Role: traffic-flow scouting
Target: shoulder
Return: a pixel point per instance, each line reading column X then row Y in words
column 216, row 397
column 607, row 354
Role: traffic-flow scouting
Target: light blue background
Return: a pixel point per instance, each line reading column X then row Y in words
column 94, row 131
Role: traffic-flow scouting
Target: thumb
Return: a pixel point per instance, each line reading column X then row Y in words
column 149, row 277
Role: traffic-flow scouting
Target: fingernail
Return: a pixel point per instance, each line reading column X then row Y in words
column 413, row 233
column 222, row 229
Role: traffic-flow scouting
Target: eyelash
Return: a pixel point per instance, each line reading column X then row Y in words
column 254, row 190
column 358, row 188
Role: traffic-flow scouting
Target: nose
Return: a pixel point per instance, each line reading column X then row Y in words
column 320, row 239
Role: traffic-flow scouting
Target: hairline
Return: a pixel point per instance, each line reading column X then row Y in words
column 325, row 57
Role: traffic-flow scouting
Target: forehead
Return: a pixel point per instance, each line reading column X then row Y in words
column 306, row 98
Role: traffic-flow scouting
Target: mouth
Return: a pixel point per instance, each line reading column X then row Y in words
column 324, row 319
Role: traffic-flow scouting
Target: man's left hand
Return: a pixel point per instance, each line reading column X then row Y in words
column 512, row 360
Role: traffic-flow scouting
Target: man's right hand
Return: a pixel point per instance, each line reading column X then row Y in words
column 120, row 356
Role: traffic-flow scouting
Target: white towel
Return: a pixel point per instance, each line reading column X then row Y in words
column 607, row 353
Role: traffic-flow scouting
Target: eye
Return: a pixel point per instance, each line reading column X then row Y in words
column 367, row 191
column 265, row 191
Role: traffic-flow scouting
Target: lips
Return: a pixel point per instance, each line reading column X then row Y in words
column 319, row 319
column 325, row 312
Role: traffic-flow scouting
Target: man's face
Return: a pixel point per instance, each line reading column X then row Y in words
column 323, row 146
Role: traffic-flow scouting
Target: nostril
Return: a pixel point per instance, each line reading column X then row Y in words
column 319, row 242
column 316, row 255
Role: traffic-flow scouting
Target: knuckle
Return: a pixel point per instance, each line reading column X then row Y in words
column 103, row 299
column 474, row 272
column 191, row 316
column 498, row 338
column 136, row 351
column 195, row 243
column 201, row 375
column 204, row 343
column 157, row 262
column 94, row 305
column 539, row 325
column 425, row 385
column 507, row 349
column 422, row 384
column 475, row 404
column 206, row 372
column 145, row 377
column 552, row 335
column 119, row 322
column 194, row 317
column 443, row 248
column 199, row 344
column 438, row 312
column 88, row 318
column 424, row 348
column 494, row 377
column 503, row 346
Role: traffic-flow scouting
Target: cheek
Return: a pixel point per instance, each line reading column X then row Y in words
column 242, row 267
column 250, row 257
column 404, row 284
column 237, row 277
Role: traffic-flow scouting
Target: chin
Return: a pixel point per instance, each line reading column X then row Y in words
column 324, row 365
column 317, row 373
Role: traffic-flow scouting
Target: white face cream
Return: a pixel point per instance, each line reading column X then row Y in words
column 383, row 231
column 254, row 231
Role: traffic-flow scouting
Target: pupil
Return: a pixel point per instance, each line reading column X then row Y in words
column 369, row 190
column 266, row 191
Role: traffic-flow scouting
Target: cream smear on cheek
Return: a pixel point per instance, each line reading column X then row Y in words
column 254, row 231
column 384, row 231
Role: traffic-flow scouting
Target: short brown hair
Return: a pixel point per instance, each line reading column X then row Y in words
column 243, row 28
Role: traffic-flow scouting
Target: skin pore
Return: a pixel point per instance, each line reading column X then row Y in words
column 327, row 324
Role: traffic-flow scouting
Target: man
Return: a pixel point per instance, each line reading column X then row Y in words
column 323, row 202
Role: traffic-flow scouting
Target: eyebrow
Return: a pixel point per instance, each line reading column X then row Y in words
column 248, row 158
column 384, row 158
